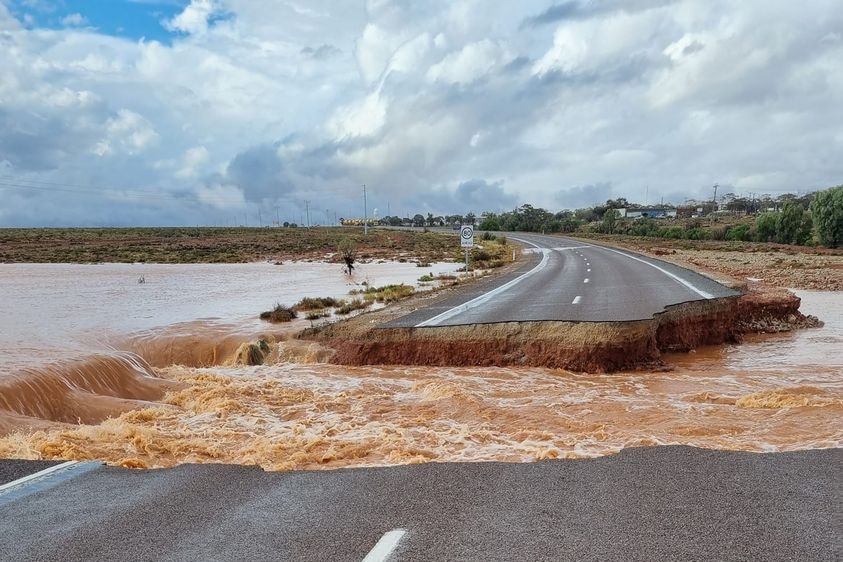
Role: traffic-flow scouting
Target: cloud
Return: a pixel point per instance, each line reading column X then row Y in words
column 74, row 20
column 441, row 106
column 195, row 17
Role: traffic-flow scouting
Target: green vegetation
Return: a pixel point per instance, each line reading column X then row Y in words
column 310, row 303
column 385, row 294
column 827, row 214
column 347, row 307
column 809, row 219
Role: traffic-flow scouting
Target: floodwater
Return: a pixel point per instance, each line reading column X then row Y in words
column 777, row 392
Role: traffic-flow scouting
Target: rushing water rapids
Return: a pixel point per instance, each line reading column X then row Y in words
column 774, row 392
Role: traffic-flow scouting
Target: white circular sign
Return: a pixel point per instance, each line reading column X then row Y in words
column 467, row 232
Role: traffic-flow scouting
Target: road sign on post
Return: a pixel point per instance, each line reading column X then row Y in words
column 467, row 236
column 467, row 241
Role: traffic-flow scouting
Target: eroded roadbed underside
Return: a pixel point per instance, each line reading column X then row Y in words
column 576, row 346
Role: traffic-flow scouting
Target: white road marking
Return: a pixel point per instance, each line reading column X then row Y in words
column 588, row 270
column 688, row 284
column 40, row 474
column 559, row 249
column 482, row 299
column 384, row 547
column 586, row 280
column 576, row 300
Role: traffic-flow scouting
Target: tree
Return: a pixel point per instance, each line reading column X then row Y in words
column 789, row 224
column 490, row 223
column 765, row 226
column 827, row 215
column 470, row 218
column 418, row 220
column 430, row 219
column 349, row 253
column 610, row 220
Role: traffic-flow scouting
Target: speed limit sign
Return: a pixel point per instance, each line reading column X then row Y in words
column 467, row 236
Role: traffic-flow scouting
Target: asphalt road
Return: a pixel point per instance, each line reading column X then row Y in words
column 660, row 504
column 566, row 279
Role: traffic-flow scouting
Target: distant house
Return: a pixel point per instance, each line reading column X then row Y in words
column 647, row 213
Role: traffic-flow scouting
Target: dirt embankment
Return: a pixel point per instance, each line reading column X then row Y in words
column 576, row 346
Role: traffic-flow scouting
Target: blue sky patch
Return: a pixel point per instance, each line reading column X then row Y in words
column 132, row 19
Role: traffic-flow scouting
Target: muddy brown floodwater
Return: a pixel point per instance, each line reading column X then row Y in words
column 777, row 392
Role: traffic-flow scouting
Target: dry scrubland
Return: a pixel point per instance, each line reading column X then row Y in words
column 777, row 265
column 216, row 245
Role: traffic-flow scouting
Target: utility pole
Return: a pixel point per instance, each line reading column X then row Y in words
column 277, row 217
column 714, row 201
column 365, row 213
column 260, row 218
column 307, row 212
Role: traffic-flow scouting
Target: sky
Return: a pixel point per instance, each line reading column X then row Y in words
column 232, row 112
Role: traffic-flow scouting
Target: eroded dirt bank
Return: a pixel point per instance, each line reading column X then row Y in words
column 577, row 346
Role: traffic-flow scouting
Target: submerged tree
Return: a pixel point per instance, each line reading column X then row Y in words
column 348, row 250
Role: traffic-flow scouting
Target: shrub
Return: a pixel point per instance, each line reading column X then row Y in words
column 388, row 293
column 739, row 232
column 717, row 233
column 488, row 236
column 280, row 313
column 765, row 227
column 310, row 303
column 316, row 315
column 351, row 306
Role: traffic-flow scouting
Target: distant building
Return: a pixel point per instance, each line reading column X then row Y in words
column 647, row 213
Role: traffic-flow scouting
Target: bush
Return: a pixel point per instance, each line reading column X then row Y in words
column 351, row 306
column 388, row 293
column 488, row 236
column 738, row 233
column 765, row 227
column 695, row 234
column 309, row 303
column 717, row 233
column 280, row 313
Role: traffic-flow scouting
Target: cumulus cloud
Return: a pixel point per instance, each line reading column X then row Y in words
column 195, row 17
column 442, row 106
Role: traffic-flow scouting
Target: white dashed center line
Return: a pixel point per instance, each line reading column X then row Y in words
column 383, row 549
column 576, row 300
column 586, row 280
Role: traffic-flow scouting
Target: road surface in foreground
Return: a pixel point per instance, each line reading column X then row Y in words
column 571, row 280
column 659, row 503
